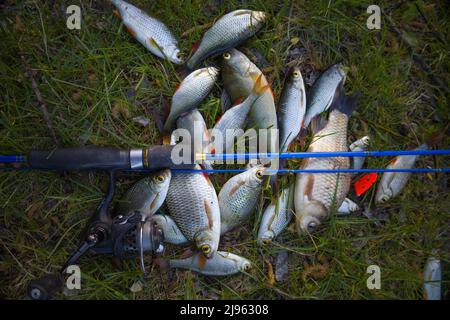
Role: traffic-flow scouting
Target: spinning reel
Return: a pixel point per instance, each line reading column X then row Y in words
column 124, row 236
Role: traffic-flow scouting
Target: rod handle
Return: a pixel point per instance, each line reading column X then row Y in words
column 80, row 158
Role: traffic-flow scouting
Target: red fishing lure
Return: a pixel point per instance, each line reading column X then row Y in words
column 365, row 182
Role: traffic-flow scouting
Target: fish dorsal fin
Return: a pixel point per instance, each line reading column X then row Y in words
column 242, row 12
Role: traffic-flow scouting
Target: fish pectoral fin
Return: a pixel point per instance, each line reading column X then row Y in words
column 117, row 13
column 131, row 31
column 155, row 44
column 201, row 261
column 209, row 213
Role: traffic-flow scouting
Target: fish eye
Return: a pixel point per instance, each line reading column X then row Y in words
column 206, row 249
column 296, row 74
column 247, row 267
column 159, row 178
column 266, row 241
column 179, row 55
column 312, row 226
column 259, row 174
column 226, row 56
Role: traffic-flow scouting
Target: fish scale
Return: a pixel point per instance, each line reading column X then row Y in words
column 193, row 205
column 276, row 216
column 239, row 77
column 392, row 183
column 238, row 198
column 146, row 195
column 322, row 92
column 291, row 110
column 222, row 264
column 227, row 32
column 315, row 194
column 144, row 28
column 191, row 92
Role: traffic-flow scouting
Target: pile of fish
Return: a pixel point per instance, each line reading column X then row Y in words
column 198, row 214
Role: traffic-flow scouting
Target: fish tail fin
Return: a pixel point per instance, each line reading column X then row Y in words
column 423, row 146
column 342, row 102
column 318, row 123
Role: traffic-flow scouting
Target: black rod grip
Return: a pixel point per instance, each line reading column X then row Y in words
column 160, row 156
column 81, row 158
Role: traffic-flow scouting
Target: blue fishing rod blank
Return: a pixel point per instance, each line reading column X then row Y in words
column 12, row 159
column 335, row 154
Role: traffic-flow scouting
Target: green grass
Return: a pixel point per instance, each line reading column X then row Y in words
column 86, row 77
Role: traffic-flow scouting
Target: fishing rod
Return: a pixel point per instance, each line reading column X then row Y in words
column 156, row 157
column 128, row 235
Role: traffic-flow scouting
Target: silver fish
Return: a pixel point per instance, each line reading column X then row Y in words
column 392, row 183
column 222, row 264
column 432, row 277
column 147, row 195
column 235, row 118
column 228, row 32
column 291, row 109
column 172, row 234
column 322, row 92
column 194, row 123
column 347, row 207
column 191, row 92
column 315, row 194
column 150, row 32
column 359, row 145
column 193, row 205
column 276, row 216
column 239, row 196
column 239, row 76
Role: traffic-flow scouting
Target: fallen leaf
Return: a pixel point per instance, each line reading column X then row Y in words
column 18, row 26
column 136, row 287
column 143, row 121
column 281, row 266
column 295, row 40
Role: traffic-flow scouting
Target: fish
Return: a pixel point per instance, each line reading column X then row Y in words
column 193, row 204
column 359, row 145
column 239, row 196
column 276, row 216
column 432, row 277
column 316, row 194
column 191, row 92
column 194, row 123
column 322, row 92
column 146, row 195
column 239, row 75
column 234, row 119
column 172, row 234
column 222, row 264
column 225, row 101
column 392, row 183
column 150, row 32
column 229, row 31
column 292, row 108
column 347, row 207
